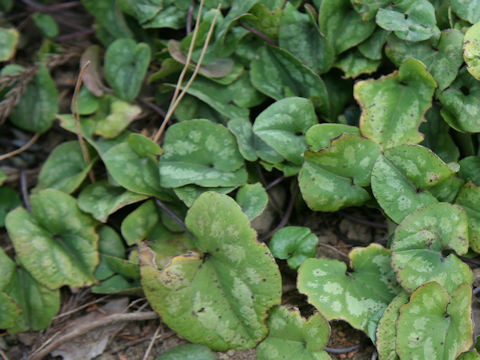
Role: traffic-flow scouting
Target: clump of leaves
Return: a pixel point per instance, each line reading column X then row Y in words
column 280, row 111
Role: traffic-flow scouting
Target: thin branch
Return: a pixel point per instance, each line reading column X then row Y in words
column 76, row 116
column 342, row 350
column 85, row 328
column 274, row 183
column 152, row 106
column 81, row 307
column 150, row 345
column 4, row 356
column 172, row 108
column 258, row 33
column 137, row 341
column 20, row 150
column 374, row 224
column 24, row 189
column 174, row 217
column 76, row 35
column 470, row 260
column 334, row 249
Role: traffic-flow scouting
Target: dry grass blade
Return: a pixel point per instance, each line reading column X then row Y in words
column 176, row 99
column 150, row 345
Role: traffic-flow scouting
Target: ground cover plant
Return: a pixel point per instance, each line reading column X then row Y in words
column 195, row 153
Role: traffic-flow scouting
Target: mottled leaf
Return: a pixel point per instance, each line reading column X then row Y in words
column 294, row 244
column 38, row 105
column 412, row 20
column 469, row 199
column 126, row 64
column 467, row 9
column 442, row 58
column 121, row 115
column 353, row 64
column 220, row 295
column 253, row 199
column 241, row 128
column 300, row 37
column 65, row 168
column 357, row 297
column 56, row 252
column 292, row 337
column 434, row 325
column 420, row 243
column 410, row 89
column 471, row 47
column 320, row 136
column 342, row 25
column 200, row 152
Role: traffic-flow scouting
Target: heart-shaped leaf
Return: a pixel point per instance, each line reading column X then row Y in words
column 434, row 324
column 412, row 20
column 65, row 168
column 410, row 89
column 342, row 25
column 54, row 251
column 200, row 152
column 420, row 242
column 461, row 103
column 38, row 105
column 126, row 64
column 278, row 74
column 102, row 199
column 334, row 177
column 219, row 296
column 253, row 199
column 300, row 37
column 357, row 297
column 469, row 199
column 283, row 124
column 442, row 58
column 294, row 244
column 292, row 337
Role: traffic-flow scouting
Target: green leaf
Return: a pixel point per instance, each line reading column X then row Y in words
column 200, row 152
column 9, row 311
column 334, row 177
column 46, row 23
column 220, row 295
column 108, row 14
column 420, row 243
column 387, row 330
column 38, row 105
column 8, row 43
column 121, row 115
column 103, row 199
column 138, row 174
column 471, row 49
column 471, row 355
column 189, row 193
column 294, row 244
column 431, row 308
column 320, row 136
column 169, row 17
column 300, row 37
column 143, row 146
column 56, row 252
column 241, row 128
column 283, row 124
column 342, row 25
column 442, row 58
column 373, row 46
column 368, row 8
column 126, row 64
column 467, row 9
column 357, row 297
column 3, row 177
column 469, row 169
column 410, row 89
column 460, row 101
column 188, row 352
column 38, row 303
column 253, row 199
column 9, row 200
column 395, row 193
column 292, row 337
column 65, row 168
column 469, row 199
column 412, row 20
column 353, row 64
column 88, row 103
column 278, row 74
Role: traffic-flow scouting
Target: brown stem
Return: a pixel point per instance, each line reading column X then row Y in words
column 20, row 150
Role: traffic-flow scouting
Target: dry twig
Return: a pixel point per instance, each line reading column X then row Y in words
column 20, row 150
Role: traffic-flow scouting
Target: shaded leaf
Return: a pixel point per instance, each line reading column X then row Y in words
column 200, row 152
column 218, row 297
column 9, row 200
column 9, row 311
column 469, row 169
column 189, row 193
column 253, row 199
column 188, row 352
column 342, row 25
column 91, row 75
column 241, row 128
column 56, row 252
column 103, row 199
column 292, row 337
column 469, row 199
column 46, row 23
column 431, row 307
column 373, row 46
column 410, row 89
column 126, row 64
column 357, row 296
column 108, row 14
column 420, row 243
column 8, row 43
column 65, row 168
column 294, row 244
column 353, row 64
